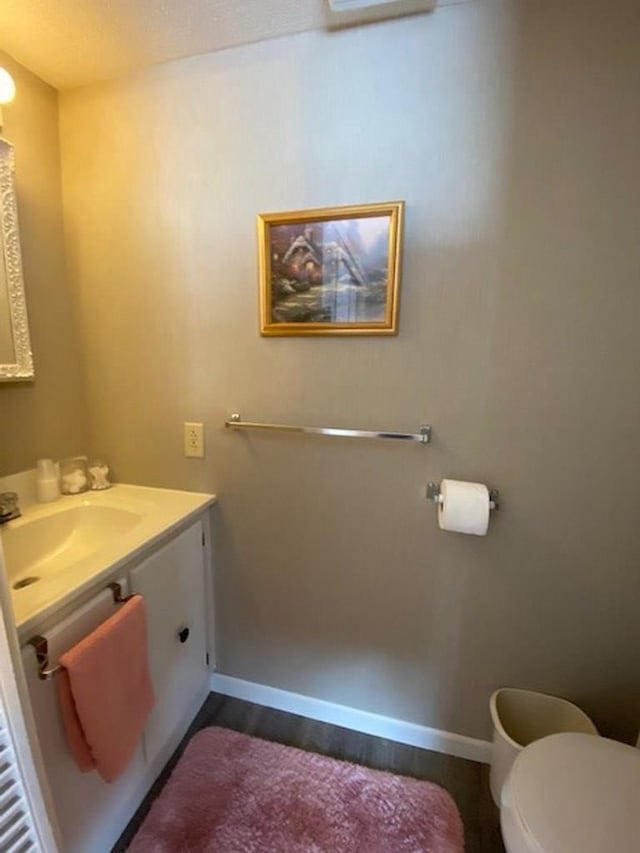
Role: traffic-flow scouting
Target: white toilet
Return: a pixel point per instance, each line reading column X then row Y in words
column 573, row 793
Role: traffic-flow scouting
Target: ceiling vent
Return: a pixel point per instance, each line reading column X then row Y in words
column 348, row 12
column 354, row 5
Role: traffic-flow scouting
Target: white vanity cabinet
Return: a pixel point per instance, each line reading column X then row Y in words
column 174, row 581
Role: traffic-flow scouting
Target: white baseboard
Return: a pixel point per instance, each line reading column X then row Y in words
column 400, row 731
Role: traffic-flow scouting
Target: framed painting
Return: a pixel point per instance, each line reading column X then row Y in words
column 331, row 271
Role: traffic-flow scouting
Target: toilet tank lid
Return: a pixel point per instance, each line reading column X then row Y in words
column 577, row 792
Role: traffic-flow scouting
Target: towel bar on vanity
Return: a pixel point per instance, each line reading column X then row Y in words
column 41, row 645
column 422, row 437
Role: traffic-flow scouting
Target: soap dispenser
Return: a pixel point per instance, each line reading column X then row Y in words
column 47, row 487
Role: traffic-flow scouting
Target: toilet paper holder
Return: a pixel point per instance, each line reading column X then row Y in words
column 433, row 494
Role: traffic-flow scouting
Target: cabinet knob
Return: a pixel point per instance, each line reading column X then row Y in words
column 183, row 635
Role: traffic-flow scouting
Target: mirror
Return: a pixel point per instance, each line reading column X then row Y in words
column 16, row 360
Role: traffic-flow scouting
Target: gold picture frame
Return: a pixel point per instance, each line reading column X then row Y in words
column 331, row 271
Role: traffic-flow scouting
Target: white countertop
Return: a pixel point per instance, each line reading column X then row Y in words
column 158, row 512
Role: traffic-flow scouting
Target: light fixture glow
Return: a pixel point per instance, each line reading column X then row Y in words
column 7, row 87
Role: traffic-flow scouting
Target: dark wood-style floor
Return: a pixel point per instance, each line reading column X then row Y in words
column 466, row 781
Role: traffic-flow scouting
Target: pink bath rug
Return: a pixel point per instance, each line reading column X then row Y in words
column 231, row 793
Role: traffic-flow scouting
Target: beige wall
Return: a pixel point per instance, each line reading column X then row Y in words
column 511, row 129
column 45, row 418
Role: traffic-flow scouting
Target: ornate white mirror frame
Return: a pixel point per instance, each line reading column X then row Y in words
column 16, row 359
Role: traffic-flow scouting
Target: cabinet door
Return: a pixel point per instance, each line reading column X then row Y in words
column 173, row 585
column 91, row 813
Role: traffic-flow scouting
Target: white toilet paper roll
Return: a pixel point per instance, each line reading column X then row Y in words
column 464, row 507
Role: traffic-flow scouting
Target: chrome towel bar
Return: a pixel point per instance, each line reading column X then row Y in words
column 422, row 437
column 41, row 645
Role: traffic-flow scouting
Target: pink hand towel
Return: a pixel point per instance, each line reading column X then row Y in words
column 105, row 691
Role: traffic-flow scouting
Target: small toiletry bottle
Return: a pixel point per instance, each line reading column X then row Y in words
column 47, row 488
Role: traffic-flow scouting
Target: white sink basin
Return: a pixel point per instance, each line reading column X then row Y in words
column 44, row 546
column 58, row 551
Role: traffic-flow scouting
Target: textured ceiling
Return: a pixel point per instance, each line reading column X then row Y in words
column 71, row 43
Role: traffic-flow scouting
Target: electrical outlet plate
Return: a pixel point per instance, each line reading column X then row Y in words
column 194, row 440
